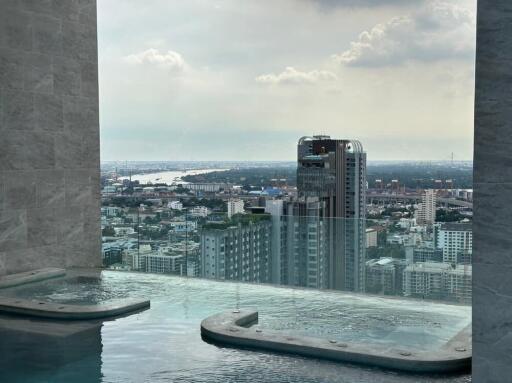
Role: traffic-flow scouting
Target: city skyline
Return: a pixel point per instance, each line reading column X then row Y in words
column 396, row 75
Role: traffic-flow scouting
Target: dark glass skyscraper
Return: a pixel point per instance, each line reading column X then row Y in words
column 334, row 171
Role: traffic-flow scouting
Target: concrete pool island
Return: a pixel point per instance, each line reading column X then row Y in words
column 51, row 310
column 233, row 328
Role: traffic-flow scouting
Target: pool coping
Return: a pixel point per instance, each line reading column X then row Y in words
column 18, row 279
column 233, row 328
column 51, row 310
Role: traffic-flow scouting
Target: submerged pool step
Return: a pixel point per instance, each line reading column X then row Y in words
column 52, row 310
column 232, row 328
column 38, row 275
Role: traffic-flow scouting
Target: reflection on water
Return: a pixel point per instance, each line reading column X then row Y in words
column 46, row 351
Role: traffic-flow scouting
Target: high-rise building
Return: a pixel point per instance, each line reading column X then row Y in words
column 275, row 207
column 299, row 242
column 235, row 206
column 456, row 240
column 238, row 250
column 395, row 186
column 334, row 171
column 306, row 261
column 426, row 213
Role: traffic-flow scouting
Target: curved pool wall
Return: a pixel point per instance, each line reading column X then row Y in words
column 164, row 343
column 233, row 328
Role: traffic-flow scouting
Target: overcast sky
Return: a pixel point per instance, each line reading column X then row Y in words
column 244, row 80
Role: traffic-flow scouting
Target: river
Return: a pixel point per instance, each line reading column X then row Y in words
column 169, row 177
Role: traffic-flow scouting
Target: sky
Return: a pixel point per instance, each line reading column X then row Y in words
column 244, row 80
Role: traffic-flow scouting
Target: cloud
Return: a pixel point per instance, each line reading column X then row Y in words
column 170, row 60
column 292, row 76
column 439, row 30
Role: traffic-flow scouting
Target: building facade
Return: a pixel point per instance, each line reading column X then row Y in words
column 238, row 252
column 385, row 276
column 235, row 206
column 456, row 240
column 442, row 281
column 334, row 171
column 305, row 261
column 426, row 213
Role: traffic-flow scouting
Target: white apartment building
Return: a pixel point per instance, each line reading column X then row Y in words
column 199, row 211
column 426, row 213
column 235, row 206
column 456, row 240
column 406, row 223
column 175, row 205
column 371, row 238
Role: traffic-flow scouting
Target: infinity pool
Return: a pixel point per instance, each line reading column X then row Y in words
column 163, row 344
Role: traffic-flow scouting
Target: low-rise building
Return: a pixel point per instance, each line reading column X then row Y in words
column 385, row 276
column 175, row 205
column 110, row 211
column 199, row 211
column 183, row 226
column 442, row 281
column 424, row 254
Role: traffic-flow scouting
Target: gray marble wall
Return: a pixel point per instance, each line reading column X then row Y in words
column 49, row 135
column 492, row 243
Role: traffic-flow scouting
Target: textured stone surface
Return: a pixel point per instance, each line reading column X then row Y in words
column 492, row 238
column 49, row 157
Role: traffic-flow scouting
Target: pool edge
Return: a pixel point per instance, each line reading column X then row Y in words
column 50, row 310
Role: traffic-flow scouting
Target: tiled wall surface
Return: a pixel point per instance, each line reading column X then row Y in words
column 49, row 135
column 492, row 228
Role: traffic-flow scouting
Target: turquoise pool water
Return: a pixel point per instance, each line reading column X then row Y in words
column 163, row 344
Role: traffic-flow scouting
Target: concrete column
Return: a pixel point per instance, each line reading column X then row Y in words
column 492, row 236
column 49, row 135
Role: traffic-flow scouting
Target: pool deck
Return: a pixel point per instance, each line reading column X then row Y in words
column 233, row 328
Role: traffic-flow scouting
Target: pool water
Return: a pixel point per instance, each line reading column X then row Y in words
column 163, row 344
